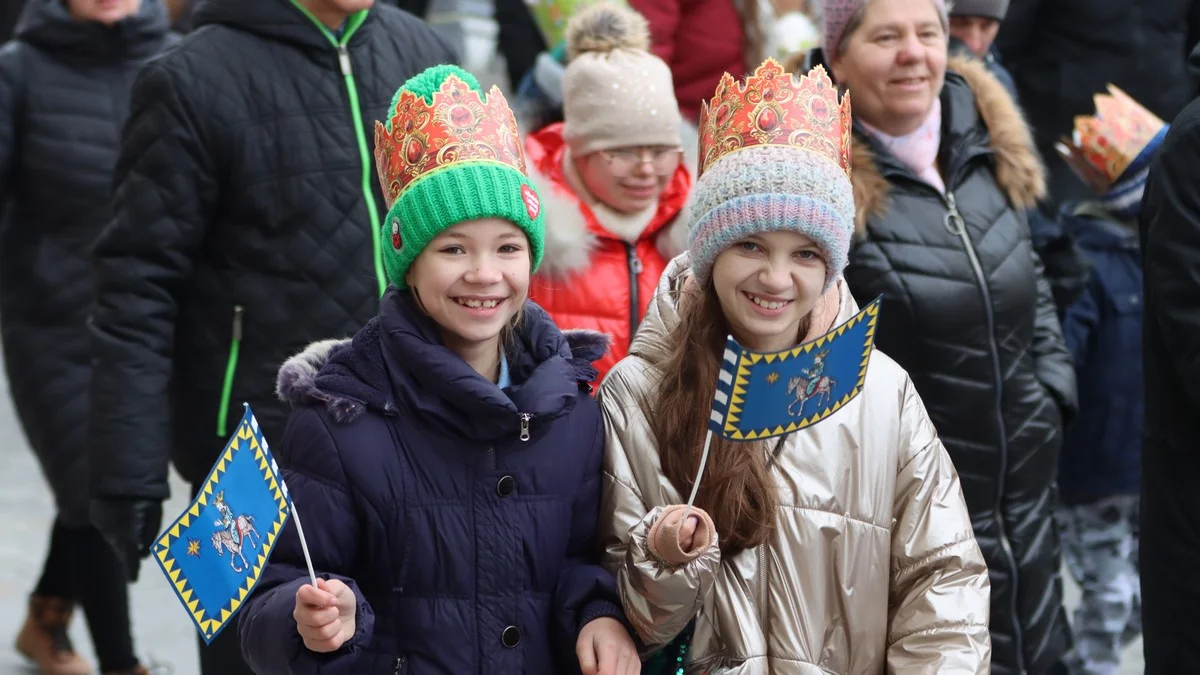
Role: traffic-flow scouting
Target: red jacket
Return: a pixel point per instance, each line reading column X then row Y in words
column 589, row 278
column 700, row 40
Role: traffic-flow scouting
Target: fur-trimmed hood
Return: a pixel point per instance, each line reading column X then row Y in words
column 1019, row 169
column 570, row 237
column 361, row 384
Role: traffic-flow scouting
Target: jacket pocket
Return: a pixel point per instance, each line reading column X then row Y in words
column 235, row 345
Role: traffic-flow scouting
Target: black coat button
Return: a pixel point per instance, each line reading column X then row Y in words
column 511, row 637
column 506, row 486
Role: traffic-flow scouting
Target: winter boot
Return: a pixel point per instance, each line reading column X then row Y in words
column 44, row 640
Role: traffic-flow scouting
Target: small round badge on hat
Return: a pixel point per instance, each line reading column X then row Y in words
column 396, row 234
column 533, row 205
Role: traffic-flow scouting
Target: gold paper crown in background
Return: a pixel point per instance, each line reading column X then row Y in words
column 775, row 107
column 458, row 126
column 1105, row 144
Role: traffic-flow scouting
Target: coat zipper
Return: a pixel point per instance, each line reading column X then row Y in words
column 525, row 417
column 401, row 663
column 365, row 159
column 235, row 346
column 343, row 52
column 635, row 305
column 763, row 583
column 955, row 224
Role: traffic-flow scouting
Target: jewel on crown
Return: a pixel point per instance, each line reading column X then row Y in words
column 458, row 126
column 774, row 107
column 1105, row 144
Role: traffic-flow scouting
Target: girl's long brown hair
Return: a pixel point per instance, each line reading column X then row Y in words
column 737, row 490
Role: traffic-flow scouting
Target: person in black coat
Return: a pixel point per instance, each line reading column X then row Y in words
column 245, row 210
column 944, row 169
column 64, row 89
column 1060, row 52
column 1169, row 552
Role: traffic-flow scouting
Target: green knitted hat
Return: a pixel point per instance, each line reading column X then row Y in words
column 448, row 154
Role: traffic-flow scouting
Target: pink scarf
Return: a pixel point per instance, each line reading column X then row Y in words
column 919, row 149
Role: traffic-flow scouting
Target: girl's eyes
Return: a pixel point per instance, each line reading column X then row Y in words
column 459, row 250
column 748, row 246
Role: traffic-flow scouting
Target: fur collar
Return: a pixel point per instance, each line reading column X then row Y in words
column 297, row 380
column 1019, row 169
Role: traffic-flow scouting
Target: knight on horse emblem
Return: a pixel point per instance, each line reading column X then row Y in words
column 235, row 532
column 811, row 383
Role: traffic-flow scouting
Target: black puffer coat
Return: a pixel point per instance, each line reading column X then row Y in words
column 1170, row 533
column 64, row 94
column 968, row 314
column 246, row 226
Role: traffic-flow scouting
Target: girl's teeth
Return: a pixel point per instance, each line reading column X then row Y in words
column 768, row 305
column 479, row 304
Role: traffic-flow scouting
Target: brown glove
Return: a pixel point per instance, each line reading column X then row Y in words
column 664, row 535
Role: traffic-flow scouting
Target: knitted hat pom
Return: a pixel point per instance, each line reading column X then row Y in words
column 615, row 92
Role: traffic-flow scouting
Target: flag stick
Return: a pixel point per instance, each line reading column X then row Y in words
column 304, row 546
column 699, row 475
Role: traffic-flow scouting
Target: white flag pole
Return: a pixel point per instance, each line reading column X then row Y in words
column 304, row 546
column 312, row 575
column 699, row 476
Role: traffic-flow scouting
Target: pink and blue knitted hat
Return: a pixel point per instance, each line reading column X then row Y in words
column 774, row 156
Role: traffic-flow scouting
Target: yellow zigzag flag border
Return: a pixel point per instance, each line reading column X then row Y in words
column 747, row 360
column 210, row 621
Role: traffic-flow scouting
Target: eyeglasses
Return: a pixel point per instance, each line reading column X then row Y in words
column 664, row 161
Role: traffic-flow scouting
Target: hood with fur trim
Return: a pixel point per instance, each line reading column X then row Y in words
column 1019, row 169
column 572, row 233
column 297, row 382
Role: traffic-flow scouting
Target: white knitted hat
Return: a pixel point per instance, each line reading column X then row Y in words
column 615, row 93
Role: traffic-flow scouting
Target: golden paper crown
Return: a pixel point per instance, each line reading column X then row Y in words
column 774, row 107
column 458, row 126
column 1105, row 144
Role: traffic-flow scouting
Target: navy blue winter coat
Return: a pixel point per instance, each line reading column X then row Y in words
column 1102, row 448
column 468, row 541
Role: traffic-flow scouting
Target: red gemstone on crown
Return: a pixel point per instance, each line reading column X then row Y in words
column 461, row 117
column 413, row 151
column 767, row 119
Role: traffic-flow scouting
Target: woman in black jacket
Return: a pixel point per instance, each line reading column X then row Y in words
column 944, row 168
column 64, row 88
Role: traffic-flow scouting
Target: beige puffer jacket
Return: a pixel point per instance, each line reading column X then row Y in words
column 873, row 567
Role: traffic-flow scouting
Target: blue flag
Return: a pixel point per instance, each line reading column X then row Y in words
column 766, row 395
column 215, row 551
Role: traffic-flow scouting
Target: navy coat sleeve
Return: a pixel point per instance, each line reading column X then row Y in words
column 164, row 194
column 586, row 591
column 1080, row 322
column 320, row 492
column 1051, row 359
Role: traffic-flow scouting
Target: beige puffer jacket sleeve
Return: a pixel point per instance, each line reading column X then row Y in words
column 940, row 592
column 659, row 600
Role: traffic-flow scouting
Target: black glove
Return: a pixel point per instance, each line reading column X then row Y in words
column 130, row 526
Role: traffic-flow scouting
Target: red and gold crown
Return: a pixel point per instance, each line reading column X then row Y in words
column 774, row 107
column 459, row 125
column 1105, row 144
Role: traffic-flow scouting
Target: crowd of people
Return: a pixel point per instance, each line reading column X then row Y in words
column 482, row 327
